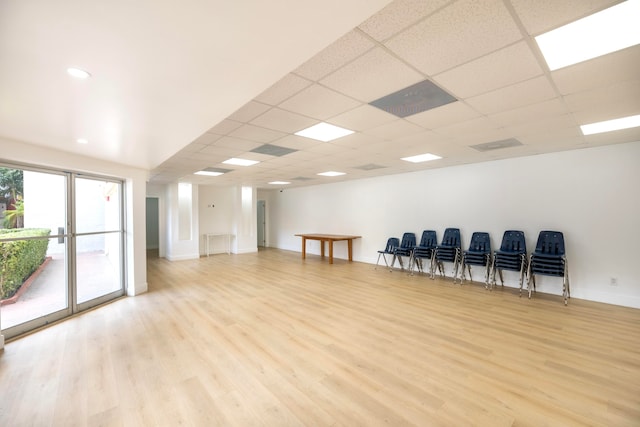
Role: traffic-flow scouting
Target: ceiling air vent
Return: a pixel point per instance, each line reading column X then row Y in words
column 414, row 99
column 273, row 150
column 497, row 145
column 370, row 167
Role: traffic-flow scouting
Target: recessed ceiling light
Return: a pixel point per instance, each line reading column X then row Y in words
column 324, row 132
column 208, row 173
column 78, row 73
column 604, row 32
column 279, row 182
column 240, row 162
column 82, row 141
column 611, row 125
column 421, row 158
column 331, row 173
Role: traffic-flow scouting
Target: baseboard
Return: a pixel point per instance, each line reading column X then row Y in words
column 138, row 289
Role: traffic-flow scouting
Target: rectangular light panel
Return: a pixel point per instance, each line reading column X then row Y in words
column 611, row 125
column 324, row 132
column 421, row 158
column 604, row 32
column 331, row 173
column 240, row 162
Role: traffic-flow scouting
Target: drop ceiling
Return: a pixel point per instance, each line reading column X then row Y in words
column 184, row 90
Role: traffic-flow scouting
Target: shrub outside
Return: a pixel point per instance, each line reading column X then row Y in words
column 20, row 258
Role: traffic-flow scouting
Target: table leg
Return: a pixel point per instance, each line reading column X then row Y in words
column 350, row 245
column 304, row 248
column 322, row 248
column 330, row 251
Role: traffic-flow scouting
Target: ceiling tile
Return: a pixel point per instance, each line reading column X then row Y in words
column 371, row 76
column 224, row 127
column 474, row 127
column 357, row 140
column 456, row 34
column 539, row 16
column 256, row 133
column 520, row 94
column 296, row 142
column 505, row 67
column 542, row 110
column 545, row 126
column 319, row 102
column 236, row 143
column 207, row 138
column 288, row 86
column 345, row 49
column 284, row 121
column 249, row 111
column 362, row 118
column 398, row 129
column 443, row 116
column 606, row 103
column 602, row 71
column 397, row 16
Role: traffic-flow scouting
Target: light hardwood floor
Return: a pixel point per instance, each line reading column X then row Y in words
column 270, row 340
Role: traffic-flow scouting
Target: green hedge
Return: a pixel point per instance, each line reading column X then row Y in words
column 20, row 258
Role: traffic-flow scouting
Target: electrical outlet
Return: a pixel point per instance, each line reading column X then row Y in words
column 613, row 281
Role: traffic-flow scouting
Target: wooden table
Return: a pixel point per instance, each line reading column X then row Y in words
column 327, row 238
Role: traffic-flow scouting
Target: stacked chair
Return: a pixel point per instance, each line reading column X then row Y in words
column 549, row 259
column 511, row 256
column 449, row 250
column 479, row 253
column 405, row 249
column 390, row 250
column 423, row 251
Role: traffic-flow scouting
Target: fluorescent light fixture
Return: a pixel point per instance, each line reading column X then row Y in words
column 82, row 141
column 331, row 173
column 611, row 125
column 78, row 73
column 279, row 182
column 324, row 132
column 604, row 32
column 240, row 162
column 421, row 158
column 208, row 173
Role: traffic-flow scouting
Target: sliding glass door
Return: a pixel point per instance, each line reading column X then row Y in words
column 61, row 245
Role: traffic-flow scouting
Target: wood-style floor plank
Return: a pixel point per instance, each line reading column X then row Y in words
column 268, row 339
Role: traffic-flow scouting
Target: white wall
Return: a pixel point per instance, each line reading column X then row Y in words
column 590, row 195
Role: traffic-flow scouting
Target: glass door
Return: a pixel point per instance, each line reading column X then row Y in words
column 98, row 243
column 33, row 249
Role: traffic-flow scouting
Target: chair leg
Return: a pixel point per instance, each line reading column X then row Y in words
column 531, row 278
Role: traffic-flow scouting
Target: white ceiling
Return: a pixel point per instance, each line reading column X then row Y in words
column 178, row 89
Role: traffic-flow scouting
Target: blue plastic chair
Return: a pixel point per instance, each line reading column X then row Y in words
column 406, row 247
column 479, row 254
column 424, row 250
column 512, row 256
column 390, row 249
column 549, row 259
column 449, row 250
